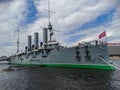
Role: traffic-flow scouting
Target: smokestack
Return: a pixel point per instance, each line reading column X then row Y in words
column 45, row 35
column 29, row 42
column 36, row 40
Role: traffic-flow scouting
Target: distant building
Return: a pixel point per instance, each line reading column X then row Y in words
column 114, row 49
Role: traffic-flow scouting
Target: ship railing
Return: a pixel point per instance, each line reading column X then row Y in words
column 20, row 53
column 93, row 43
column 52, row 43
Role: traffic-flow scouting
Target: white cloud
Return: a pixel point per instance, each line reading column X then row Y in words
column 10, row 16
column 72, row 14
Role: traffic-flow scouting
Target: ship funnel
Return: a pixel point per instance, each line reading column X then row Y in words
column 36, row 39
column 29, row 43
column 45, row 35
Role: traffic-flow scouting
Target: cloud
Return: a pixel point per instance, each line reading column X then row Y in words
column 11, row 14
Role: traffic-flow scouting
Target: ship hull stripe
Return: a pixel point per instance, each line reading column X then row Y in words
column 82, row 66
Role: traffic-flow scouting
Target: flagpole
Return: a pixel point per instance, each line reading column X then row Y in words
column 99, row 40
column 106, row 33
column 106, row 36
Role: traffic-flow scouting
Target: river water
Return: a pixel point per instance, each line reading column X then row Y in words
column 44, row 78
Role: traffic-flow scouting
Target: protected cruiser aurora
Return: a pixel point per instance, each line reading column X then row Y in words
column 49, row 53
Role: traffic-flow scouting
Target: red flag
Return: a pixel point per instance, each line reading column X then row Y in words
column 103, row 34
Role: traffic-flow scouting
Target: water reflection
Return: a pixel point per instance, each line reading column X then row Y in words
column 42, row 78
column 69, row 79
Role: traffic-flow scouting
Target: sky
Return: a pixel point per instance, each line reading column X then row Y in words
column 76, row 20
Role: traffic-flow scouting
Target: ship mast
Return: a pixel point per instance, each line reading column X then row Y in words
column 49, row 11
column 49, row 25
column 18, row 40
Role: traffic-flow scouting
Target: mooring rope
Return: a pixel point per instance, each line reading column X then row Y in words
column 115, row 65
